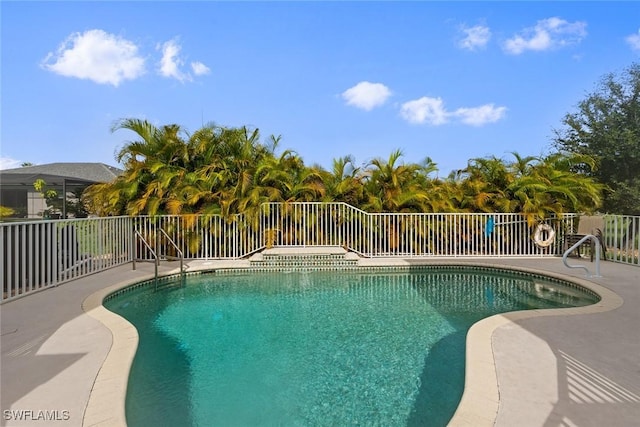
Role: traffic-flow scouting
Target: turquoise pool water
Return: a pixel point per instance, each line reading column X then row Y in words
column 315, row 348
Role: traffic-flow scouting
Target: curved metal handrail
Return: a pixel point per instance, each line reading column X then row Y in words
column 180, row 253
column 156, row 261
column 575, row 246
column 156, row 258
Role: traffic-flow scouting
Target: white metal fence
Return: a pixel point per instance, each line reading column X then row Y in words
column 404, row 234
column 36, row 255
column 339, row 224
column 622, row 238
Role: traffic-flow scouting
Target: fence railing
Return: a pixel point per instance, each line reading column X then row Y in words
column 338, row 224
column 40, row 254
column 622, row 238
column 404, row 234
column 36, row 255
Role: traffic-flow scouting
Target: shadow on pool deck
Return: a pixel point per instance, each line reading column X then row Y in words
column 581, row 370
column 41, row 368
column 52, row 350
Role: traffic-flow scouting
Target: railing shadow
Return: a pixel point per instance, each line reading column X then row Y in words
column 589, row 397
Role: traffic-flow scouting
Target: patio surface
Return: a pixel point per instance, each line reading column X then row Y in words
column 61, row 366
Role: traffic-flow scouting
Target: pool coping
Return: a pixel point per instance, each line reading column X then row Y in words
column 480, row 401
column 106, row 405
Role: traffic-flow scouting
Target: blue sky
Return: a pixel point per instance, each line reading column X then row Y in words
column 446, row 80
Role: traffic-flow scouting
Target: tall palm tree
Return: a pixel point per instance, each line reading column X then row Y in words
column 154, row 166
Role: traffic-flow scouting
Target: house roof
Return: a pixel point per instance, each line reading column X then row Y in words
column 56, row 173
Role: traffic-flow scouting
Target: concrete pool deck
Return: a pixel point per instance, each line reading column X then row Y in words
column 63, row 365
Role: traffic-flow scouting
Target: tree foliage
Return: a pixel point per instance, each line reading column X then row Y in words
column 606, row 127
column 535, row 186
column 229, row 171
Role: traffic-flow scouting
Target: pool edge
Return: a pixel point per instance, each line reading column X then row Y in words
column 480, row 400
column 478, row 406
column 106, row 403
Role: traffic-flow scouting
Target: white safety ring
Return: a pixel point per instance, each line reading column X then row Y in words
column 548, row 231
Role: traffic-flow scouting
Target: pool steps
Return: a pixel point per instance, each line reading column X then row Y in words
column 321, row 258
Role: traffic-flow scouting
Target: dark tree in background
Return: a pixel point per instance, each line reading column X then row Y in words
column 607, row 128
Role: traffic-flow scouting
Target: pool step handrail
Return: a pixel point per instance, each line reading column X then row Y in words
column 156, row 261
column 575, row 246
column 180, row 255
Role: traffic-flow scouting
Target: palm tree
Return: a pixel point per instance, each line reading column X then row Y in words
column 391, row 186
column 484, row 183
column 534, row 186
column 344, row 182
column 154, row 166
column 555, row 188
column 169, row 171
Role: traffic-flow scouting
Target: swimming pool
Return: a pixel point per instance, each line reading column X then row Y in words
column 316, row 348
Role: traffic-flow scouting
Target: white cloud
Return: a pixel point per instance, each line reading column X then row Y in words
column 170, row 63
column 634, row 41
column 475, row 37
column 432, row 111
column 547, row 34
column 425, row 109
column 97, row 56
column 478, row 116
column 9, row 163
column 199, row 69
column 366, row 95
